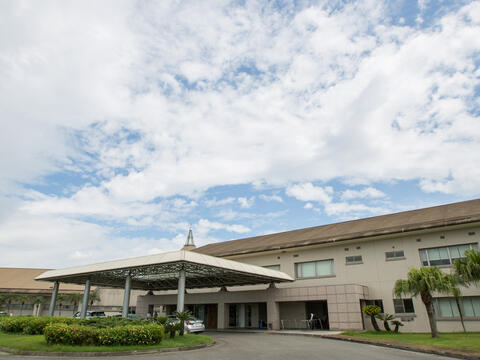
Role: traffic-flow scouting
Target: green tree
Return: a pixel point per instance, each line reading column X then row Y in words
column 22, row 299
column 372, row 311
column 38, row 300
column 9, row 299
column 183, row 316
column 93, row 297
column 60, row 299
column 74, row 299
column 386, row 318
column 467, row 269
column 424, row 282
column 3, row 300
column 397, row 324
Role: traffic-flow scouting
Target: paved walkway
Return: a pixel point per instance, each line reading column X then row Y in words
column 263, row 346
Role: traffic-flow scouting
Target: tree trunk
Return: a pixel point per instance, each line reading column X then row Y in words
column 396, row 328
column 457, row 300
column 387, row 327
column 172, row 334
column 428, row 301
column 374, row 323
column 182, row 329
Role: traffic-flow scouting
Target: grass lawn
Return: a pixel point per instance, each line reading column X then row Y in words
column 37, row 343
column 461, row 341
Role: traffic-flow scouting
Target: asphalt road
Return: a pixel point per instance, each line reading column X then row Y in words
column 248, row 346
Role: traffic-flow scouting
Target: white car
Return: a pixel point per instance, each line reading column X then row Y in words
column 191, row 326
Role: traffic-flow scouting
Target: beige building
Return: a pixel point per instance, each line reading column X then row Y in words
column 339, row 268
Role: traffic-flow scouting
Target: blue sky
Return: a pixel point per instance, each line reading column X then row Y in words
column 124, row 123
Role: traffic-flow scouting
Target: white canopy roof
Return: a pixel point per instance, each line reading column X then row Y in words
column 161, row 271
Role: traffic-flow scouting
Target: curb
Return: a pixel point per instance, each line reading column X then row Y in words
column 404, row 347
column 104, row 353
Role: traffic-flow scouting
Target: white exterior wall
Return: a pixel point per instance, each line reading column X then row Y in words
column 375, row 273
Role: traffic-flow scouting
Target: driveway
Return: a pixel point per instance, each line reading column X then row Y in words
column 248, row 346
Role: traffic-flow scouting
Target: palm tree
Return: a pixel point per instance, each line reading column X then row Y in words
column 386, row 318
column 183, row 316
column 372, row 311
column 3, row 300
column 60, row 299
column 93, row 297
column 22, row 299
column 467, row 269
column 424, row 282
column 38, row 300
column 9, row 299
column 74, row 299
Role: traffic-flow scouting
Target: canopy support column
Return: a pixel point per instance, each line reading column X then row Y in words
column 86, row 293
column 126, row 295
column 181, row 291
column 51, row 311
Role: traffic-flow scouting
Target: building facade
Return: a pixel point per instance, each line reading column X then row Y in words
column 338, row 269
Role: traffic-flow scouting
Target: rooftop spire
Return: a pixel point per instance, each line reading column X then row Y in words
column 189, row 244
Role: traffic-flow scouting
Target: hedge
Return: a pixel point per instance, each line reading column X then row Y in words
column 35, row 325
column 30, row 325
column 120, row 335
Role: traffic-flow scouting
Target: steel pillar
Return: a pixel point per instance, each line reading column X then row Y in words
column 86, row 293
column 51, row 311
column 126, row 296
column 181, row 291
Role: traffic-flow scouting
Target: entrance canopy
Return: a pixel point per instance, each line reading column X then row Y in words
column 162, row 272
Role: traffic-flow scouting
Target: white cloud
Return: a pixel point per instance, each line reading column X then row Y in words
column 246, row 202
column 150, row 106
column 310, row 192
column 365, row 193
column 308, row 206
column 204, row 226
column 271, row 198
column 214, row 202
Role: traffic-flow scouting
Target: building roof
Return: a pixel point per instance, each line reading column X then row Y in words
column 161, row 272
column 22, row 280
column 403, row 222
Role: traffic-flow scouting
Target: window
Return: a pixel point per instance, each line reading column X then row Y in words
column 314, row 269
column 447, row 307
column 403, row 306
column 272, row 267
column 394, row 255
column 444, row 255
column 357, row 259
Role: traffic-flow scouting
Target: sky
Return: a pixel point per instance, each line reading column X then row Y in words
column 124, row 123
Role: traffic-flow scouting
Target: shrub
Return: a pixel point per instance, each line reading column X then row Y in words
column 162, row 320
column 104, row 322
column 30, row 325
column 119, row 335
column 36, row 326
column 372, row 311
column 70, row 334
column 131, row 335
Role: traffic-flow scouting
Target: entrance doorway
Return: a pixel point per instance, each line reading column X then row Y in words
column 250, row 315
column 317, row 313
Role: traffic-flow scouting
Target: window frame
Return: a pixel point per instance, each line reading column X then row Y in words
column 395, row 257
column 403, row 306
column 354, row 262
column 451, row 300
column 316, row 276
column 473, row 245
